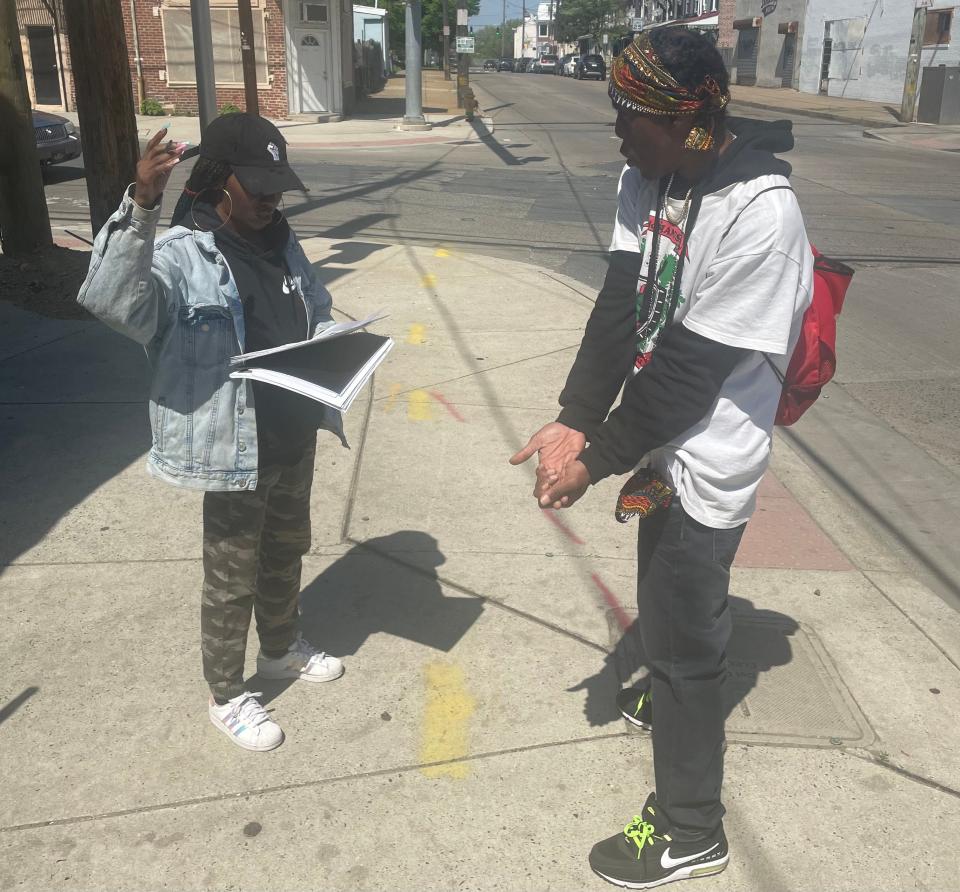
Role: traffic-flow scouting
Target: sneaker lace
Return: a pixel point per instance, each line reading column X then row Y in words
column 306, row 649
column 641, row 832
column 249, row 710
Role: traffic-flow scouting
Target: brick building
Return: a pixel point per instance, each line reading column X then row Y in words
column 304, row 52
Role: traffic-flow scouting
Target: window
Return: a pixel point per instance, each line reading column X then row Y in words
column 937, row 32
column 313, row 13
column 225, row 27
column 543, row 29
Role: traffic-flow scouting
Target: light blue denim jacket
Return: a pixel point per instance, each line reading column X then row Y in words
column 176, row 296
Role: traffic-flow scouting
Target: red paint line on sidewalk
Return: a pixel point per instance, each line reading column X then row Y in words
column 551, row 515
column 613, row 603
column 450, row 407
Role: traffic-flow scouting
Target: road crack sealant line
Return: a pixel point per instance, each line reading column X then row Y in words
column 304, row 785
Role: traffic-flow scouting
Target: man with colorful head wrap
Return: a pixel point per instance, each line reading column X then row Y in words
column 710, row 274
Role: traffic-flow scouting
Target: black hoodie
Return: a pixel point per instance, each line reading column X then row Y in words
column 687, row 370
column 274, row 314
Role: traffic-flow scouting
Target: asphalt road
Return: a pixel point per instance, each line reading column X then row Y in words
column 543, row 190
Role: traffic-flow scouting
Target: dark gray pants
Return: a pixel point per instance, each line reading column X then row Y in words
column 683, row 576
column 253, row 543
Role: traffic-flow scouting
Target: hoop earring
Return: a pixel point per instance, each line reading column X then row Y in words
column 194, row 202
column 699, row 139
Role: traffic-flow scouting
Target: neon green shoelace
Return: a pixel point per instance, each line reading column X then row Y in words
column 640, row 832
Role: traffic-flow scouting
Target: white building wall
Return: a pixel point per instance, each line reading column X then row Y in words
column 878, row 70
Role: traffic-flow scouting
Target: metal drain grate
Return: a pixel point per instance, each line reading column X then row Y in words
column 783, row 686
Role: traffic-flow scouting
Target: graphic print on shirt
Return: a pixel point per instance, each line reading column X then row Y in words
column 656, row 308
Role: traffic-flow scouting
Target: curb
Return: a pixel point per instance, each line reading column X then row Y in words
column 830, row 116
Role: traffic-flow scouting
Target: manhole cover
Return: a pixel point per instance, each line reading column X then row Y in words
column 783, row 686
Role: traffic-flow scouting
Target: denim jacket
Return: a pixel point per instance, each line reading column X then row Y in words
column 176, row 296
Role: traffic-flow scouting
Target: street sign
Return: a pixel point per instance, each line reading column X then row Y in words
column 636, row 25
column 462, row 16
column 446, row 30
column 465, row 45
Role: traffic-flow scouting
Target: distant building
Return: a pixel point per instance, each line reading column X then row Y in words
column 858, row 49
column 304, row 51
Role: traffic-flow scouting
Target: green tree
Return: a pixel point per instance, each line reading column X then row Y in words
column 578, row 17
column 431, row 22
column 487, row 41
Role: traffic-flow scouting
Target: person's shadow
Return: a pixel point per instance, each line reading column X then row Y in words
column 386, row 585
column 760, row 641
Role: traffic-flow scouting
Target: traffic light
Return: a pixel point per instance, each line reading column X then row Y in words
column 498, row 30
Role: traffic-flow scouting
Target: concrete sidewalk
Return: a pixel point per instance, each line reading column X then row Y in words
column 473, row 741
column 375, row 123
column 853, row 111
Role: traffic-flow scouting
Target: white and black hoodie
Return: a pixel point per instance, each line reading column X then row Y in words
column 700, row 398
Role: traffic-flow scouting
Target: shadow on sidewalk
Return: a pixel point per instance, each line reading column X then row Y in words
column 365, row 593
column 760, row 641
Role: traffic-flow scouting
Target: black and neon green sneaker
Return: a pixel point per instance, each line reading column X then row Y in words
column 645, row 856
column 636, row 706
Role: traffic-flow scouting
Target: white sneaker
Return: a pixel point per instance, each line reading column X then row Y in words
column 246, row 723
column 303, row 660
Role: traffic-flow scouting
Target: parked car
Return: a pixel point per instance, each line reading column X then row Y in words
column 489, row 64
column 569, row 67
column 592, row 66
column 534, row 66
column 57, row 138
column 505, row 65
column 520, row 65
column 547, row 63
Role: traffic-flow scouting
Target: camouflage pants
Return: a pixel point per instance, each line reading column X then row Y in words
column 253, row 543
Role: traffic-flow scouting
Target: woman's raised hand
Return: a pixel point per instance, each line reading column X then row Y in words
column 153, row 170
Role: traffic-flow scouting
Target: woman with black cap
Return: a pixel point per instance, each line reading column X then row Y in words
column 229, row 277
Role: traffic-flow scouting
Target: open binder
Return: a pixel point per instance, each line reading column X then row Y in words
column 331, row 367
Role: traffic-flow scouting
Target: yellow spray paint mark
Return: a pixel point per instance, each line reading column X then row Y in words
column 441, row 252
column 419, row 406
column 391, row 402
column 429, row 281
column 417, row 334
column 445, row 721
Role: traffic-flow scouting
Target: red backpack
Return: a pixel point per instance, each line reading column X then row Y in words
column 814, row 359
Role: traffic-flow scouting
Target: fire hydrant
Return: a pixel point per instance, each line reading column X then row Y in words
column 469, row 104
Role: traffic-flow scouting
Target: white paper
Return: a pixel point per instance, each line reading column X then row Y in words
column 332, row 331
column 341, row 401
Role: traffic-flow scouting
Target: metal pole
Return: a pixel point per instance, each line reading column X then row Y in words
column 413, row 118
column 141, row 93
column 248, row 58
column 523, row 30
column 503, row 26
column 463, row 59
column 203, row 61
column 909, row 104
column 445, row 43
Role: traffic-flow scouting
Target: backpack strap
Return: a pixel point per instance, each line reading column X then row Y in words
column 780, row 376
column 751, row 201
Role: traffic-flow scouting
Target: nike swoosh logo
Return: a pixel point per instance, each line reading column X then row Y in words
column 666, row 862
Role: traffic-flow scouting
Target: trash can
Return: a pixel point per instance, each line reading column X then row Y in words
column 940, row 95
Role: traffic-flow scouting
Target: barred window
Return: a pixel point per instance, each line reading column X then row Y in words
column 227, row 63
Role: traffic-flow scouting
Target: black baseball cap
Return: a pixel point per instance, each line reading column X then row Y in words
column 255, row 150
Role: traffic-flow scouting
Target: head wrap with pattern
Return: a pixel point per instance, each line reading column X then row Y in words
column 640, row 82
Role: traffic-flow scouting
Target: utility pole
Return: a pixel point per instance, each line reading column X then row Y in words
column 503, row 26
column 523, row 30
column 463, row 59
column 909, row 104
column 24, row 222
column 101, row 76
column 248, row 58
column 445, row 42
column 203, row 61
column 413, row 118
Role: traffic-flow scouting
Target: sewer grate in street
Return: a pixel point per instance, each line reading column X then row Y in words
column 783, row 688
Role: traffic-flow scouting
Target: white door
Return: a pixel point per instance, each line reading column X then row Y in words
column 313, row 70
